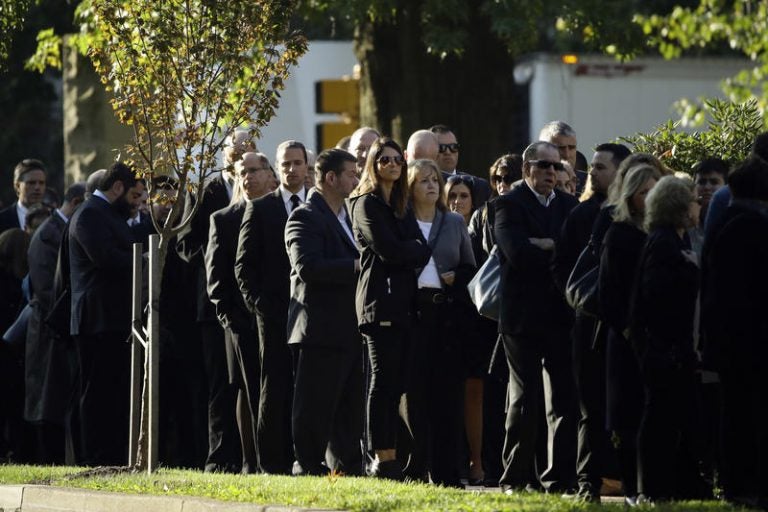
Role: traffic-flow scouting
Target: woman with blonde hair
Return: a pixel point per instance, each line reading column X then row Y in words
column 619, row 255
column 392, row 248
column 434, row 368
column 661, row 330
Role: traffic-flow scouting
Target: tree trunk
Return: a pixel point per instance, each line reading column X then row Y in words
column 404, row 89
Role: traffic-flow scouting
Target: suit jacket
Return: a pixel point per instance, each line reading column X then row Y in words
column 220, row 267
column 262, row 268
column 100, row 258
column 531, row 305
column 392, row 250
column 193, row 240
column 323, row 277
column 9, row 218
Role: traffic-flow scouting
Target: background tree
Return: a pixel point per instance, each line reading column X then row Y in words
column 451, row 61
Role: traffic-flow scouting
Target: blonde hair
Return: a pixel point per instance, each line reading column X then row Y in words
column 635, row 178
column 667, row 204
column 415, row 168
column 633, row 160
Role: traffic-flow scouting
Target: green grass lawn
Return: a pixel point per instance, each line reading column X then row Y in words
column 348, row 493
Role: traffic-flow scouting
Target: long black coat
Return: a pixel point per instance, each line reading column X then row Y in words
column 391, row 251
column 531, row 304
column 323, row 278
column 664, row 302
column 50, row 362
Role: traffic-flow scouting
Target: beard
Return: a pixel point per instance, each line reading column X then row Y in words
column 123, row 207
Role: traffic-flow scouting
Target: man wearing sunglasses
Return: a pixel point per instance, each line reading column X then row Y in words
column 448, row 159
column 534, row 322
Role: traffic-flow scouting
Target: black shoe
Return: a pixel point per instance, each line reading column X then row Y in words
column 585, row 493
column 389, row 469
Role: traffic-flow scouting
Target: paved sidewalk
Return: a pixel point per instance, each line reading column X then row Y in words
column 43, row 498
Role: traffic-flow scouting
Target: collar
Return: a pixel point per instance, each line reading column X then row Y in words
column 543, row 200
column 227, row 184
column 99, row 193
column 286, row 194
column 21, row 213
column 62, row 216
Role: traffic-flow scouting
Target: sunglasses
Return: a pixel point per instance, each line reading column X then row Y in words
column 544, row 164
column 385, row 160
column 453, row 148
column 508, row 179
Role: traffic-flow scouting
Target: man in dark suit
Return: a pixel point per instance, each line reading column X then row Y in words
column 254, row 177
column 29, row 184
column 49, row 361
column 534, row 322
column 100, row 257
column 594, row 451
column 322, row 324
column 448, row 159
column 262, row 270
column 223, row 445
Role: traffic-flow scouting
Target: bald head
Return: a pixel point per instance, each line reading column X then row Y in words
column 360, row 142
column 422, row 144
column 92, row 183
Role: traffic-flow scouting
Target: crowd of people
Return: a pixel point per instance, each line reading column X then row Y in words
column 333, row 330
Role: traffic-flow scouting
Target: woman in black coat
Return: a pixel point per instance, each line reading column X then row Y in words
column 392, row 248
column 618, row 262
column 661, row 327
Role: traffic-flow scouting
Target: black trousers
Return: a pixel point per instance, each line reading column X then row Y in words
column 745, row 428
column 668, row 443
column 104, row 406
column 594, row 452
column 223, row 440
column 537, row 364
column 387, row 348
column 434, row 393
column 244, row 344
column 328, row 409
column 274, row 443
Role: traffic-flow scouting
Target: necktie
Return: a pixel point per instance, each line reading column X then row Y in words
column 295, row 201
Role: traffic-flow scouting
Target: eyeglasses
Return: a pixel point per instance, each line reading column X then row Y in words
column 544, row 164
column 508, row 179
column 385, row 160
column 453, row 148
column 461, row 179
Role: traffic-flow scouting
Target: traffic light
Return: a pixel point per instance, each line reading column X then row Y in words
column 336, row 96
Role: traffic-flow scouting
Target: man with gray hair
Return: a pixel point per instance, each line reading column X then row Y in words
column 563, row 136
column 534, row 323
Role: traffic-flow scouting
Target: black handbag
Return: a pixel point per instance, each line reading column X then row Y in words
column 581, row 289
